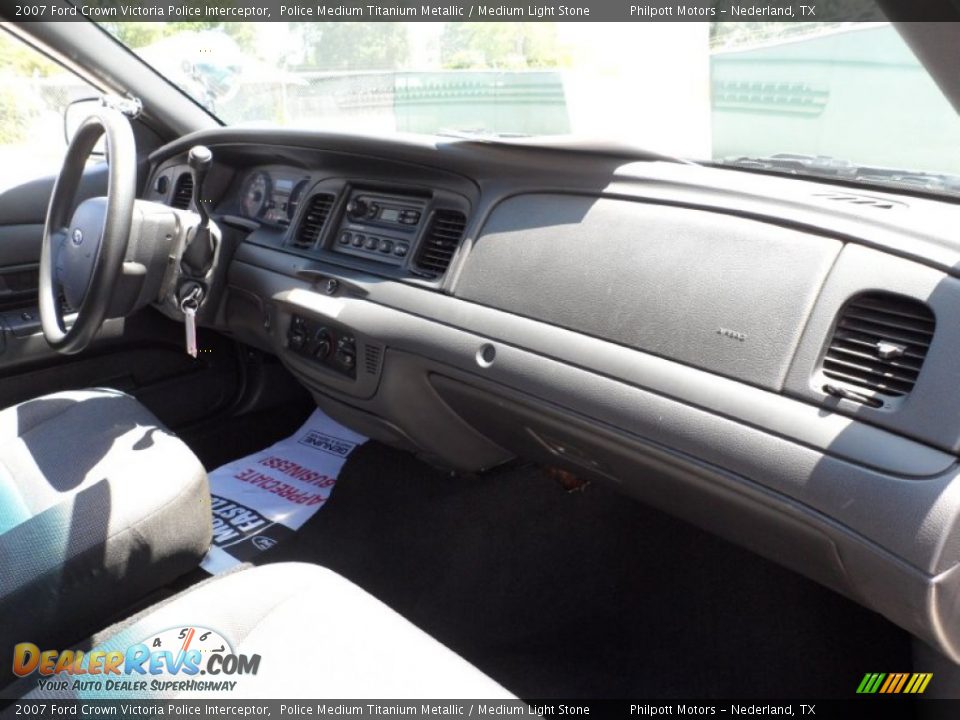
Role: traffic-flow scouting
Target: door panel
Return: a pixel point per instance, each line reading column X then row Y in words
column 18, row 284
column 22, row 213
column 143, row 354
column 144, row 357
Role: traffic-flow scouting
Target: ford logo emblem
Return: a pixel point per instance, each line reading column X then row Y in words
column 263, row 542
column 77, row 236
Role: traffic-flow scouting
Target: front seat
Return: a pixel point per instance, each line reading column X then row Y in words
column 99, row 506
column 318, row 636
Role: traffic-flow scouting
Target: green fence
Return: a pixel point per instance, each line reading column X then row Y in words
column 857, row 94
column 527, row 103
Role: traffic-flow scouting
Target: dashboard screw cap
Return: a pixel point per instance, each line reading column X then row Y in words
column 332, row 286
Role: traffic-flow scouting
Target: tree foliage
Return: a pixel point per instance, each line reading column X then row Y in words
column 355, row 46
column 20, row 60
column 140, row 34
column 19, row 106
column 734, row 34
column 501, row 46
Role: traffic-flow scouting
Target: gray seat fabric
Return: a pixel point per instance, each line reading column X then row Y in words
column 99, row 506
column 318, row 636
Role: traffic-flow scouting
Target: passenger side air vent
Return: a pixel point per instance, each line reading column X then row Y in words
column 880, row 343
column 182, row 192
column 315, row 217
column 441, row 241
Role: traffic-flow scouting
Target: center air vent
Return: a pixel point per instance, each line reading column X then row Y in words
column 315, row 217
column 182, row 192
column 880, row 343
column 441, row 241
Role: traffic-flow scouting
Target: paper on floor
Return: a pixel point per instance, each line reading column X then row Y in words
column 261, row 499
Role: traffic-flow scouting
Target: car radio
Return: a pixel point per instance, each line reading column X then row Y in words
column 379, row 226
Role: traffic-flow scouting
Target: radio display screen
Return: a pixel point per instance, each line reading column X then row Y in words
column 390, row 215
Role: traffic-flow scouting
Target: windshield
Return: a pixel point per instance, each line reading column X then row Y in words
column 839, row 99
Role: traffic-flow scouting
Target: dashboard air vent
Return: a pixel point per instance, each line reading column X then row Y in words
column 441, row 241
column 371, row 359
column 182, row 192
column 315, row 217
column 880, row 343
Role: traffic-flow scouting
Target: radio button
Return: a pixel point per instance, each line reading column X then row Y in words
column 358, row 240
column 400, row 249
column 385, row 245
column 372, row 243
column 345, row 238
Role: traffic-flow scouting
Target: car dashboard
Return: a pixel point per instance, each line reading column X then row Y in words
column 772, row 359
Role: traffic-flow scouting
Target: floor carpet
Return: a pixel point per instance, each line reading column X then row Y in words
column 588, row 593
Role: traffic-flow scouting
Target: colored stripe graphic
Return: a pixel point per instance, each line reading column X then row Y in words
column 903, row 681
column 870, row 683
column 894, row 683
column 918, row 683
column 891, row 679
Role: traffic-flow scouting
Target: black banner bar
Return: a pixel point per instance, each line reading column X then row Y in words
column 492, row 11
column 874, row 707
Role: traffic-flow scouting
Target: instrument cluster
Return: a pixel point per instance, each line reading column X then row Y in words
column 272, row 195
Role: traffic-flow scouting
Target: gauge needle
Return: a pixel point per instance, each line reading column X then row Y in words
column 186, row 642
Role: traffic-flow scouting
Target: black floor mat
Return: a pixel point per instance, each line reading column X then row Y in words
column 585, row 594
column 230, row 438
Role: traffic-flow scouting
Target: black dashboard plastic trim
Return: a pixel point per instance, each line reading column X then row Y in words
column 918, row 233
column 757, row 408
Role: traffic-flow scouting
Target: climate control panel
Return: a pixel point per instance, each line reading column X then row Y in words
column 330, row 345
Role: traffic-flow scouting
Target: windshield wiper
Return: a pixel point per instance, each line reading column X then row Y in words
column 824, row 166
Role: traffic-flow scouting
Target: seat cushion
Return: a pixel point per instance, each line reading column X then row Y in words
column 99, row 505
column 318, row 636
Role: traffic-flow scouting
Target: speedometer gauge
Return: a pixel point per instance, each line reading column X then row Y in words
column 256, row 193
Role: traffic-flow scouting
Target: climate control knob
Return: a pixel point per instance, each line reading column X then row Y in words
column 324, row 344
column 297, row 340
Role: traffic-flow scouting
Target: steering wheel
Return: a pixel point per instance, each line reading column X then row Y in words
column 83, row 250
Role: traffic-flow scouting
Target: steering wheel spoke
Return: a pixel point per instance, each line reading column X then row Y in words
column 57, row 238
